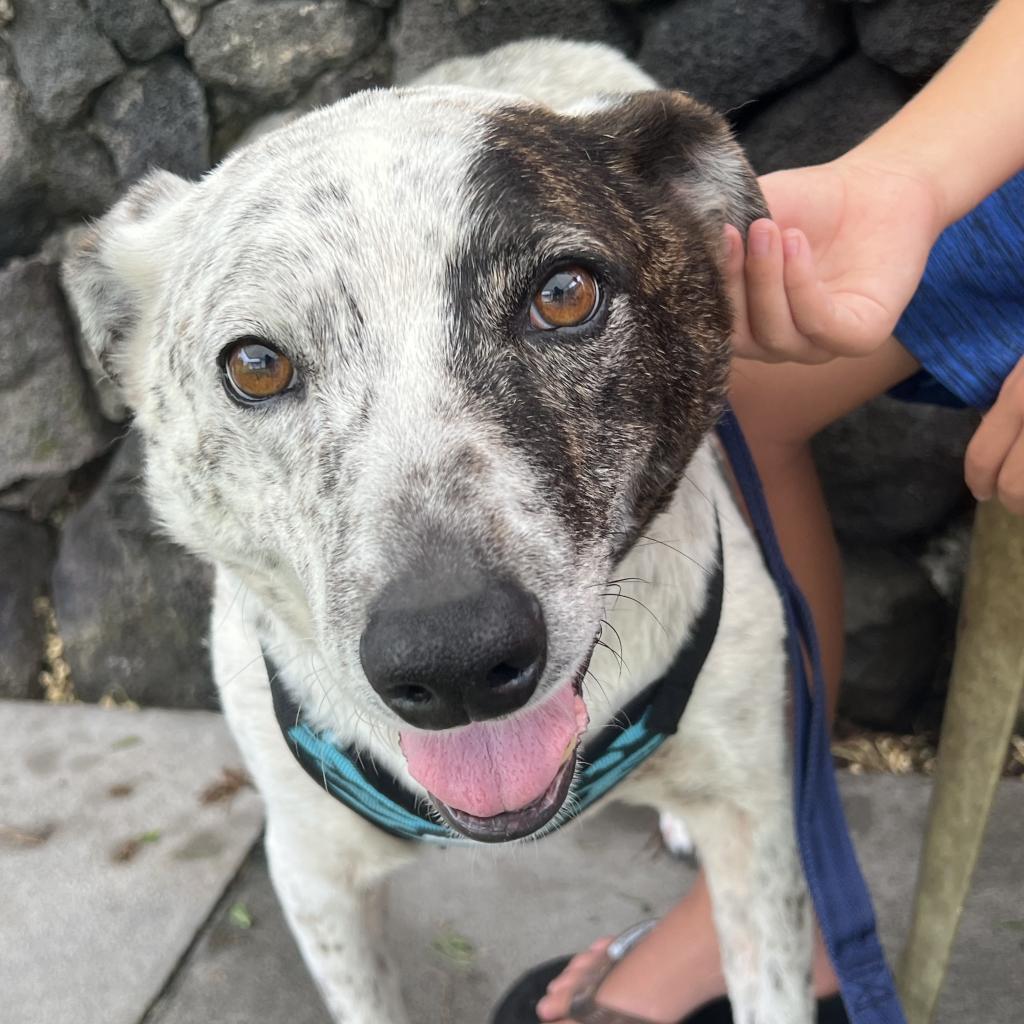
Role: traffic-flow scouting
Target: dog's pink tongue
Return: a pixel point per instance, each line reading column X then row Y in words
column 488, row 767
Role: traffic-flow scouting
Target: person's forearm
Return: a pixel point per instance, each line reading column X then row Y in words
column 964, row 131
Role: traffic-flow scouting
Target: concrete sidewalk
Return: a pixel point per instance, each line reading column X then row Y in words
column 132, row 889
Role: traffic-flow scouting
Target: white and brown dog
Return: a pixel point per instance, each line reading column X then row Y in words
column 421, row 374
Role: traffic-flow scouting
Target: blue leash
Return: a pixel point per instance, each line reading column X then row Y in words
column 840, row 896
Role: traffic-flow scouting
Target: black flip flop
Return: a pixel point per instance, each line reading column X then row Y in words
column 519, row 1006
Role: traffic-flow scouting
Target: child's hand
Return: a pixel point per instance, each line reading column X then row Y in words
column 995, row 457
column 832, row 273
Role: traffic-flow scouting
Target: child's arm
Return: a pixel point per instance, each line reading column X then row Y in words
column 850, row 239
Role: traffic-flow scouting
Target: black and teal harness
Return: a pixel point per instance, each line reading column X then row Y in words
column 841, row 898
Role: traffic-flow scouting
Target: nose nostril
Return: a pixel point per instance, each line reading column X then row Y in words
column 418, row 696
column 502, row 675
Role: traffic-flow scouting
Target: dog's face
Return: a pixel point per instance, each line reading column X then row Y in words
column 418, row 369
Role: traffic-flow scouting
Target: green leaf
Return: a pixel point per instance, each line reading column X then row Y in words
column 454, row 947
column 239, row 915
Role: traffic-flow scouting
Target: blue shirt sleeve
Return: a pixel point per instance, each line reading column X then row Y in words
column 965, row 324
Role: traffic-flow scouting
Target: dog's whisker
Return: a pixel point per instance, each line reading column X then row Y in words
column 665, row 544
column 615, row 654
column 636, row 600
column 689, row 479
column 605, row 622
column 600, row 686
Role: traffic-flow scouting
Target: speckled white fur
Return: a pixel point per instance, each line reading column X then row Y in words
column 726, row 771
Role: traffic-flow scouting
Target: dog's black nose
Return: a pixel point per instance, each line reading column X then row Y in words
column 445, row 649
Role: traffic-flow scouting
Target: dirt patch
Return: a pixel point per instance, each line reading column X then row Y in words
column 226, row 787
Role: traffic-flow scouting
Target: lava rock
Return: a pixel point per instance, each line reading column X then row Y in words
column 48, row 416
column 370, row 72
column 272, row 50
column 155, row 116
column 728, row 57
column 132, row 607
column 893, row 470
column 24, row 218
column 945, row 557
column 26, row 553
column 428, row 31
column 824, row 118
column 81, row 177
column 916, row 37
column 239, row 118
column 140, row 29
column 897, row 634
column 185, row 15
column 60, row 56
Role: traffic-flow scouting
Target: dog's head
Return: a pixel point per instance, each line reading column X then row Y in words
column 419, row 368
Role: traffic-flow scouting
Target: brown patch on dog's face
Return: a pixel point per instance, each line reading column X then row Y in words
column 609, row 412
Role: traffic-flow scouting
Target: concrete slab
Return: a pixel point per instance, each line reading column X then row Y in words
column 245, row 968
column 113, row 852
column 465, row 923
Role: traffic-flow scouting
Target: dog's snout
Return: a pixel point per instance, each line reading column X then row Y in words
column 445, row 650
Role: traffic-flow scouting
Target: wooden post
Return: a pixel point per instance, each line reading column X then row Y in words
column 981, row 709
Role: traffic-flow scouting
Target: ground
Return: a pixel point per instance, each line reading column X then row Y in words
column 135, row 891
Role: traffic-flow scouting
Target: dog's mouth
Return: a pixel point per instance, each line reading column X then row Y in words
column 505, row 779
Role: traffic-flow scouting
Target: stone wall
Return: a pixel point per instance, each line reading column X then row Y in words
column 95, row 92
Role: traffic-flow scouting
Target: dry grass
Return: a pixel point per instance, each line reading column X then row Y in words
column 55, row 676
column 861, row 751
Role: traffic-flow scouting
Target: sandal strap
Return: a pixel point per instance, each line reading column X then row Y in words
column 597, row 1014
column 584, row 1009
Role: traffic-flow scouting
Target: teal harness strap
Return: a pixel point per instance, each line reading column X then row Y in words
column 630, row 738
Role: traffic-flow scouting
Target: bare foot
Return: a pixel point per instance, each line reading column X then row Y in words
column 674, row 970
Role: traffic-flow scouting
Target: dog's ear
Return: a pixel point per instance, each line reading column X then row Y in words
column 113, row 270
column 668, row 139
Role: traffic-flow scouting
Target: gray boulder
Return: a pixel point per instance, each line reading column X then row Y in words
column 133, row 608
column 369, row 72
column 427, row 31
column 155, row 116
column 140, row 29
column 234, row 112
column 916, row 37
column 894, row 470
column 26, row 554
column 272, row 50
column 185, row 14
column 24, row 218
column 898, row 631
column 81, row 179
column 727, row 57
column 60, row 56
column 48, row 416
column 824, row 118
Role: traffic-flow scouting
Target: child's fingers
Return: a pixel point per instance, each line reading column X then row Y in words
column 743, row 344
column 993, row 440
column 1010, row 485
column 769, row 315
column 809, row 304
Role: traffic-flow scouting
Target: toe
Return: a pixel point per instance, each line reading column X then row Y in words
column 553, row 1006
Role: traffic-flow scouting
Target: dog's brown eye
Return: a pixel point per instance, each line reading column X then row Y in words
column 256, row 371
column 568, row 298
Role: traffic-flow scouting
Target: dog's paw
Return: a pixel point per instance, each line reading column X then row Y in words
column 677, row 839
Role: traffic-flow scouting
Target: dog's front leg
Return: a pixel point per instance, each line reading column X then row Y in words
column 330, row 897
column 761, row 909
